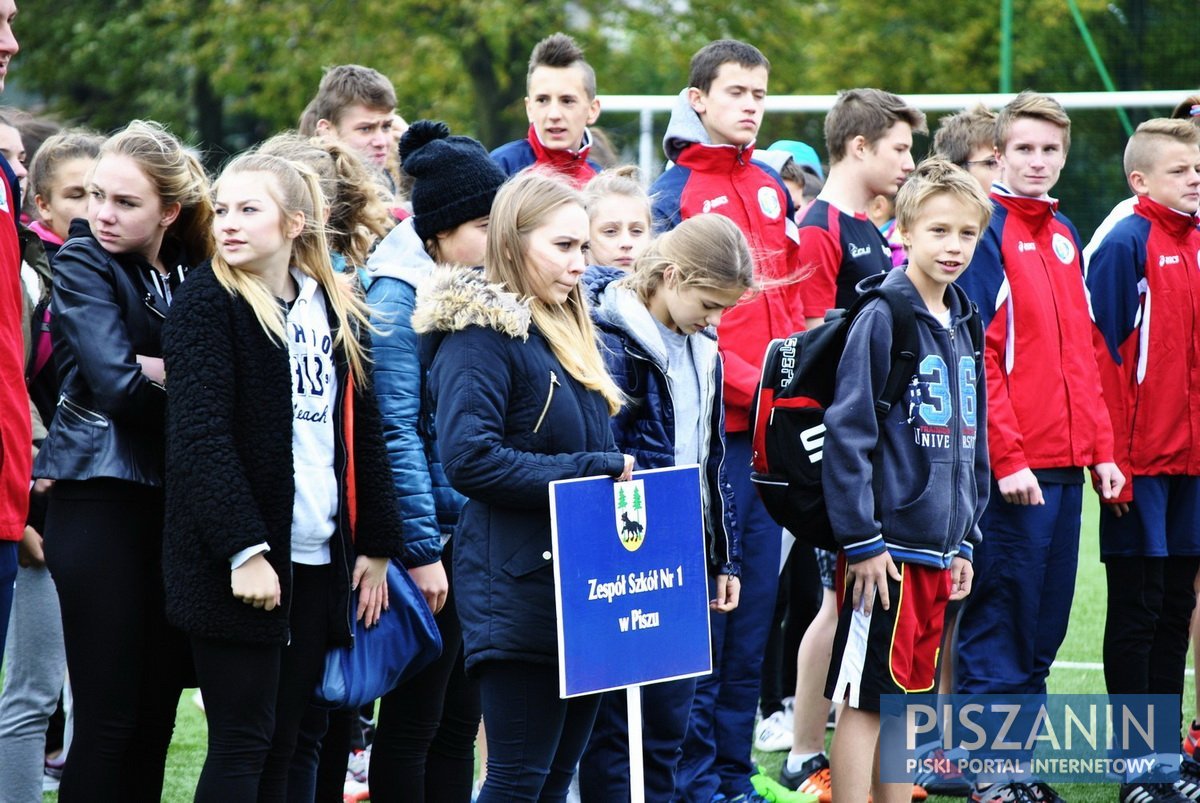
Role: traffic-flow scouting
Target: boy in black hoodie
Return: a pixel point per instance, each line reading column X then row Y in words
column 905, row 493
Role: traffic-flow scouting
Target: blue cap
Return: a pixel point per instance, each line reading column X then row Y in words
column 802, row 152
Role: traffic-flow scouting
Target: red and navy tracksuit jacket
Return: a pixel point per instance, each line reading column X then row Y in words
column 837, row 251
column 16, row 454
column 515, row 156
column 1144, row 282
column 1045, row 406
column 724, row 180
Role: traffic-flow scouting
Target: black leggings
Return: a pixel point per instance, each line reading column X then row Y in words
column 427, row 726
column 255, row 696
column 796, row 603
column 1150, row 603
column 127, row 665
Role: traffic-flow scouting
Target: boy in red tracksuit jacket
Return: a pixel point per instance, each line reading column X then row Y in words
column 710, row 138
column 1144, row 284
column 16, row 455
column 1046, row 419
column 561, row 103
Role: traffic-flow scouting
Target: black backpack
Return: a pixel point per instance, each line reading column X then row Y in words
column 795, row 390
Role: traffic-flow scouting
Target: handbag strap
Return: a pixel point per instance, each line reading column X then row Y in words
column 348, row 438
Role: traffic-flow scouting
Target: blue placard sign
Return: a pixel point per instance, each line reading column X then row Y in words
column 631, row 581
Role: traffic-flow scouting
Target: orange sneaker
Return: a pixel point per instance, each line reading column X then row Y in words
column 1191, row 740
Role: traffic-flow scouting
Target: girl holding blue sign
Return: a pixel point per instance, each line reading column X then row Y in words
column 522, row 399
column 658, row 333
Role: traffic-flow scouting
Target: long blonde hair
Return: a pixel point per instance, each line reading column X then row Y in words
column 296, row 188
column 522, row 205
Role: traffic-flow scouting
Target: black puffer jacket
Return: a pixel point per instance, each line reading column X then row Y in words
column 229, row 469
column 510, row 420
column 106, row 310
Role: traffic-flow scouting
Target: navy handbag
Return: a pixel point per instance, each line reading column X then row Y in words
column 404, row 641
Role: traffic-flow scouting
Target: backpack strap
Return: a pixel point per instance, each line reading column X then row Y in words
column 904, row 346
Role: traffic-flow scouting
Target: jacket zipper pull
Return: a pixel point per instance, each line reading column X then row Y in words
column 549, row 398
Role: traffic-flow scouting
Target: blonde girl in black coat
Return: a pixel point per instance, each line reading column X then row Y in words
column 276, row 542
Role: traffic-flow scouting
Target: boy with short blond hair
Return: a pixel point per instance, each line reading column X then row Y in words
column 1149, row 541
column 891, row 546
column 1187, row 109
column 1047, row 421
column 968, row 139
column 868, row 134
column 560, row 102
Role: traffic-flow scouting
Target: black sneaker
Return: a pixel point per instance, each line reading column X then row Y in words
column 812, row 777
column 1188, row 784
column 947, row 780
column 1044, row 793
column 1149, row 793
column 1002, row 793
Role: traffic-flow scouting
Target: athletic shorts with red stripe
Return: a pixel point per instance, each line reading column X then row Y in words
column 891, row 651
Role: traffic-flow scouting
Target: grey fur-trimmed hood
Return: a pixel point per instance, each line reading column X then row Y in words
column 453, row 299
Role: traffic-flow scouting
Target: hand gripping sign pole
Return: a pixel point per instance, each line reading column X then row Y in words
column 631, row 585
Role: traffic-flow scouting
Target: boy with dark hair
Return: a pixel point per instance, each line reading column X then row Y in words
column 891, row 547
column 711, row 140
column 968, row 139
column 1149, row 540
column 354, row 105
column 560, row 102
column 1046, row 420
column 868, row 134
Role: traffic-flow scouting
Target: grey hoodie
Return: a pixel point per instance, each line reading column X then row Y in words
column 684, row 128
column 401, row 255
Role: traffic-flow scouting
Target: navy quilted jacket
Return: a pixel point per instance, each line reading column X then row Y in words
column 510, row 420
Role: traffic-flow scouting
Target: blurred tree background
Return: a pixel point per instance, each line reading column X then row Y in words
column 227, row 73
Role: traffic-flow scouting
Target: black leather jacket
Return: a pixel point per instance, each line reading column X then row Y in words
column 106, row 309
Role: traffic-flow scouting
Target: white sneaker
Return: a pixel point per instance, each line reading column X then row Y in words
column 355, row 791
column 358, row 765
column 775, row 732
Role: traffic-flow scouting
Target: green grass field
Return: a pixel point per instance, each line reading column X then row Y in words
column 1083, row 646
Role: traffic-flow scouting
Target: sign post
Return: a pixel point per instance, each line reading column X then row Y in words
column 631, row 586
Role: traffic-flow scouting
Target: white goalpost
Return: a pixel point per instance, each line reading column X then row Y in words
column 650, row 153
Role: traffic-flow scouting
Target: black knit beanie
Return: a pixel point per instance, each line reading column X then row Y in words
column 454, row 178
